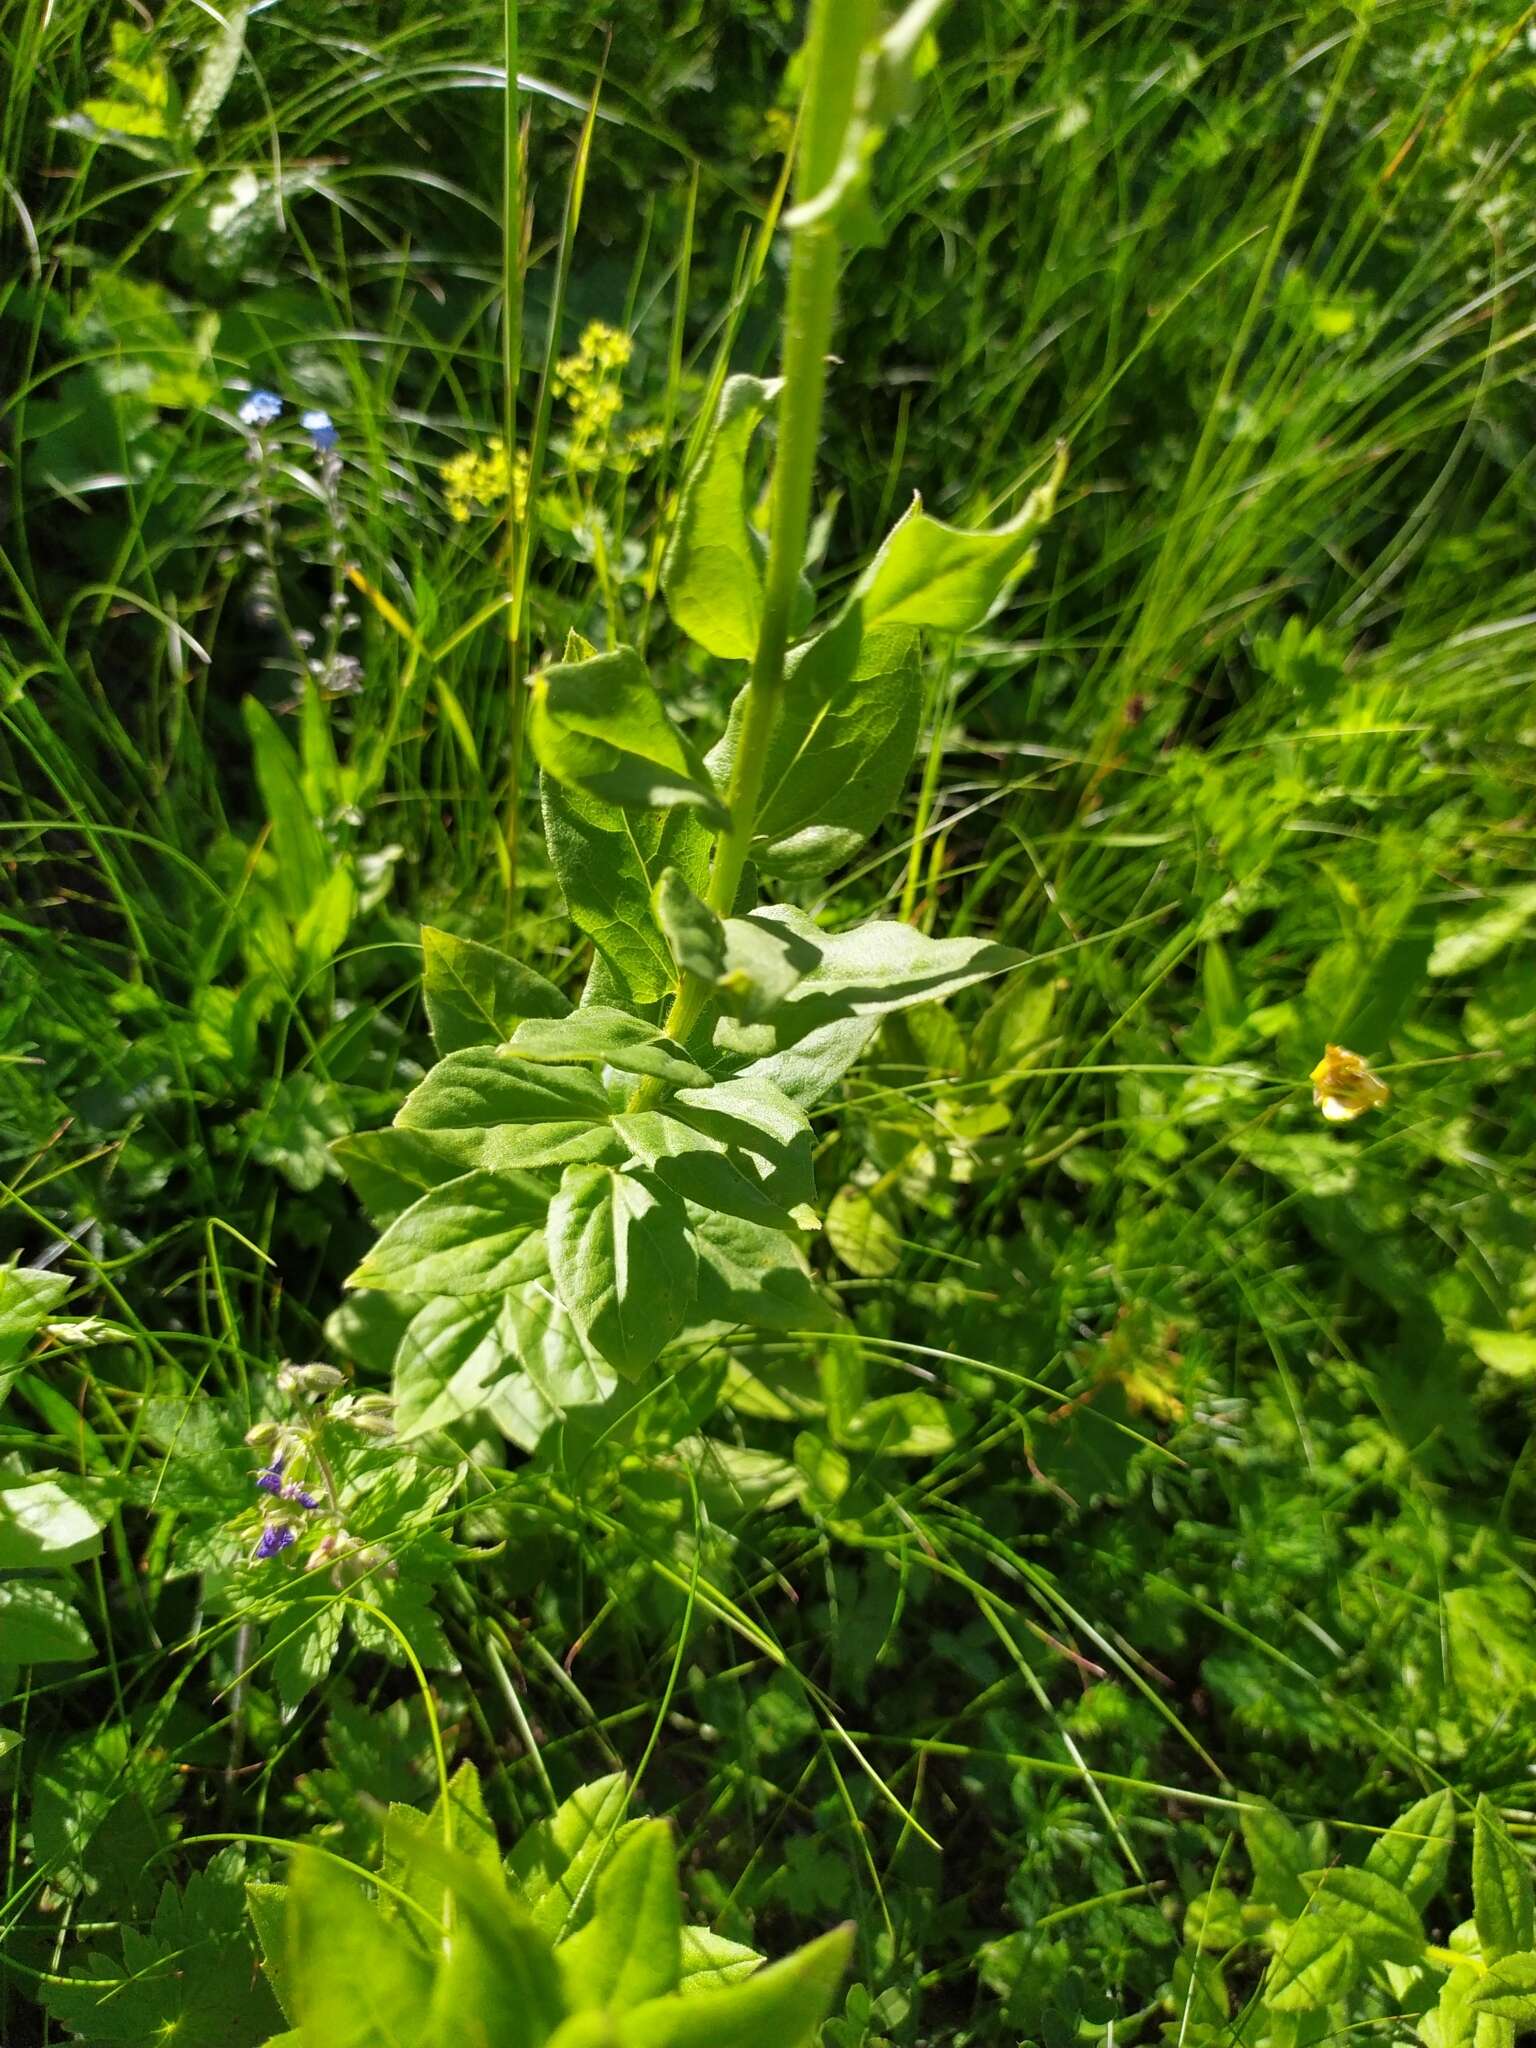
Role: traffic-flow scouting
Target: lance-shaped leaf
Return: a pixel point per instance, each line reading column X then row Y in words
column 712, row 575
column 388, row 1170
column 471, row 1236
column 350, row 1974
column 841, row 744
column 608, row 862
column 1501, row 1887
column 473, row 1091
column 623, row 1263
column 476, row 995
column 1415, row 1853
column 757, row 1119
column 599, row 725
column 631, row 1948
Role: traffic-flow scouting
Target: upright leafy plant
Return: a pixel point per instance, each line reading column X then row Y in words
column 572, row 1188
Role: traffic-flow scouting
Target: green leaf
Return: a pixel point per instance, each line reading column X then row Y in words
column 554, row 1865
column 598, row 725
column 1415, row 1852
column 452, row 1352
column 694, row 935
column 45, row 1521
column 28, row 1296
column 753, row 1275
column 497, row 1982
column 490, row 1107
column 356, row 1980
column 1501, row 1887
column 631, row 1948
column 300, row 1117
column 698, row 1167
column 609, row 1038
column 1374, row 1913
column 185, row 1976
column 388, row 1170
column 1460, row 948
column 712, row 575
column 477, row 995
column 841, row 745
column 38, row 1626
column 470, row 1236
column 863, row 1233
column 867, row 972
column 779, row 2006
column 709, row 1961
column 1508, row 1991
column 623, row 1263
column 1280, row 1855
column 216, row 73
column 948, row 578
column 267, row 1905
column 141, row 102
column 608, row 862
column 1314, row 1968
column 302, row 863
column 751, row 1116
column 469, row 1830
column 806, row 1072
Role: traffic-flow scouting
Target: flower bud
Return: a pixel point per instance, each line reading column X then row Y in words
column 308, row 1379
column 263, row 1434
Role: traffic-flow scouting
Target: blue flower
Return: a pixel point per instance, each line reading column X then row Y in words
column 296, row 1493
column 261, row 409
column 271, row 1480
column 321, row 431
column 275, row 1537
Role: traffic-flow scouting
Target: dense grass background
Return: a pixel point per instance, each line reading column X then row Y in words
column 1217, row 1487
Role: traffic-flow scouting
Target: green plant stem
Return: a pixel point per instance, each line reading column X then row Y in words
column 835, row 41
column 511, row 369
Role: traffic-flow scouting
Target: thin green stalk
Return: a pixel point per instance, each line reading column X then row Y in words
column 511, row 369
column 838, row 32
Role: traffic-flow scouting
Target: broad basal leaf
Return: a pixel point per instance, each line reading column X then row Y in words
column 1315, row 1966
column 353, row 1976
column 598, row 725
column 1375, row 1915
column 779, row 2006
column 553, row 1867
column 623, row 1263
column 1415, row 1852
column 712, row 574
column 1501, row 1886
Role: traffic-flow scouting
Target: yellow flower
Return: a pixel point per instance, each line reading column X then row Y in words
column 1344, row 1087
column 474, row 481
column 589, row 383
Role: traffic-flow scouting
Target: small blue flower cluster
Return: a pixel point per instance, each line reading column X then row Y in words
column 280, row 1535
column 265, row 409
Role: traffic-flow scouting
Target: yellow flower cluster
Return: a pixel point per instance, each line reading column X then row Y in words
column 476, row 482
column 589, row 383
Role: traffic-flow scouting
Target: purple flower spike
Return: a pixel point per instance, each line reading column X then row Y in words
column 295, row 1492
column 275, row 1537
column 271, row 1480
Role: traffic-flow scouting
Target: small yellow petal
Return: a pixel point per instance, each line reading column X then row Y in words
column 1344, row 1086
